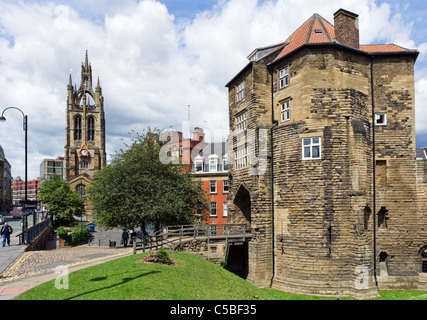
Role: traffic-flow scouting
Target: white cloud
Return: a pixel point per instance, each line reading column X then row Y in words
column 151, row 65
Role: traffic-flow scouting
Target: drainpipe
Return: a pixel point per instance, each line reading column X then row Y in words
column 274, row 122
column 374, row 171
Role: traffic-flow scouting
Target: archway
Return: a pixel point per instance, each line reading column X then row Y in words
column 242, row 200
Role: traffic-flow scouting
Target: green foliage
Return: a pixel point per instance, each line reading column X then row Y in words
column 78, row 236
column 137, row 188
column 62, row 232
column 61, row 201
column 163, row 255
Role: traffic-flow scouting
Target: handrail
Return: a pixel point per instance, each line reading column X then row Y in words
column 180, row 233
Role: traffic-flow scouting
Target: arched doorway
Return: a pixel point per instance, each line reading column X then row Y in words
column 237, row 260
column 242, row 200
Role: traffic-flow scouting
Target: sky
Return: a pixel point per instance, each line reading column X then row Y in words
column 159, row 59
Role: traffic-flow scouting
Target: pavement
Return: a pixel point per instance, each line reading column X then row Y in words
column 21, row 271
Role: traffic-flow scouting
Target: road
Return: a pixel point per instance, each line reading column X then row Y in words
column 16, row 225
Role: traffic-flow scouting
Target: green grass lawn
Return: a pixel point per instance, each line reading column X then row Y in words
column 191, row 278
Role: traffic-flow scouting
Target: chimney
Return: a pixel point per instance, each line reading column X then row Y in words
column 346, row 25
column 198, row 134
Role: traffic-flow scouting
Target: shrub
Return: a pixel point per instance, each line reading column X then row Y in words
column 62, row 233
column 80, row 235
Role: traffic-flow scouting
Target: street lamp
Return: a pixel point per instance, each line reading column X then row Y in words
column 25, row 126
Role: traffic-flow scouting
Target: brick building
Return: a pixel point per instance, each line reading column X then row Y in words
column 5, row 183
column 210, row 168
column 18, row 190
column 309, row 106
column 208, row 163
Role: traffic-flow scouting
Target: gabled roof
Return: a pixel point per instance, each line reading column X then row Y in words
column 317, row 30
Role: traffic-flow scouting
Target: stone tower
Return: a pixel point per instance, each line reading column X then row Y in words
column 336, row 211
column 84, row 131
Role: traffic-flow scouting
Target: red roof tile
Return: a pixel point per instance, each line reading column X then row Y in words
column 373, row 48
column 318, row 30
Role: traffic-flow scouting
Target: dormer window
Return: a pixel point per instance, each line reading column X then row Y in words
column 225, row 163
column 213, row 163
column 198, row 164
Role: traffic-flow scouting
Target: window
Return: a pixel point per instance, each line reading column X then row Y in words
column 240, row 91
column 286, row 115
column 213, row 163
column 224, row 210
column 91, row 128
column 198, row 209
column 241, row 157
column 84, row 164
column 241, row 122
column 198, row 166
column 225, row 186
column 380, row 119
column 77, row 128
column 225, row 163
column 311, row 148
column 318, row 31
column 212, row 185
column 81, row 190
column 284, row 78
column 213, row 209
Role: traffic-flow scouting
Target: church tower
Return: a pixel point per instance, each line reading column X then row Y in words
column 85, row 131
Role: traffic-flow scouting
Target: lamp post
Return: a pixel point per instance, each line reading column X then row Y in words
column 25, row 127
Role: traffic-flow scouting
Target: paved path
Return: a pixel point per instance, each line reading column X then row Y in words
column 21, row 270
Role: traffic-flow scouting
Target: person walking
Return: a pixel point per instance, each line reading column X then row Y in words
column 125, row 237
column 6, row 231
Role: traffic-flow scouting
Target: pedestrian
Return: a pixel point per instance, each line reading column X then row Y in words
column 6, row 231
column 125, row 237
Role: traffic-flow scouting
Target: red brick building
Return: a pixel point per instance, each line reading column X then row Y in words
column 210, row 167
column 18, row 190
column 208, row 163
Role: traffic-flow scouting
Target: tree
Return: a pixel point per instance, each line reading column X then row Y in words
column 137, row 188
column 61, row 201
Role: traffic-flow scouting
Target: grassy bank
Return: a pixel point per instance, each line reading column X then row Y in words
column 191, row 278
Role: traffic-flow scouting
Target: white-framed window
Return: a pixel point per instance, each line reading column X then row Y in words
column 212, row 186
column 284, row 77
column 311, row 148
column 225, row 163
column 241, row 159
column 198, row 164
column 213, row 163
column 380, row 119
column 213, row 209
column 224, row 209
column 285, row 111
column 241, row 122
column 240, row 91
column 225, row 186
